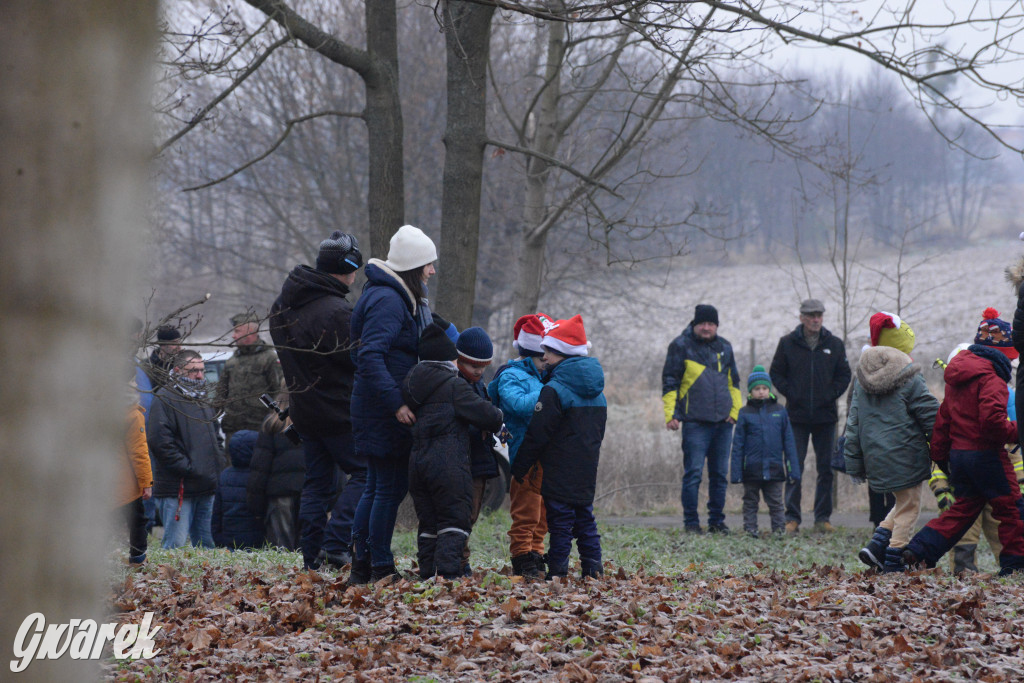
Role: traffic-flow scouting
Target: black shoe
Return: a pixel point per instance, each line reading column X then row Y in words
column 540, row 565
column 693, row 530
column 591, row 569
column 718, row 529
column 521, row 564
column 381, row 573
column 337, row 560
column 360, row 573
column 909, row 559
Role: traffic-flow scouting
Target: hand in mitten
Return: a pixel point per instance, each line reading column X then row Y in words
column 945, row 499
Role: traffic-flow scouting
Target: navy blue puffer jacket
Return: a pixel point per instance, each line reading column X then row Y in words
column 234, row 525
column 566, row 432
column 763, row 447
column 384, row 323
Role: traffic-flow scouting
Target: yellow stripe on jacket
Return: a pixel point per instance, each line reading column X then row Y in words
column 691, row 371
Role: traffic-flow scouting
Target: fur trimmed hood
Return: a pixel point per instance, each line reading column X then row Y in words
column 883, row 369
column 1015, row 274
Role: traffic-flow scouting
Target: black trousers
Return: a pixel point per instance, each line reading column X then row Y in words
column 134, row 514
column 822, row 436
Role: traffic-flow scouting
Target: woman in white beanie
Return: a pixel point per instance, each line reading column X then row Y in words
column 387, row 322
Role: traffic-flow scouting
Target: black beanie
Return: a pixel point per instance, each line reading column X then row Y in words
column 705, row 313
column 339, row 254
column 435, row 344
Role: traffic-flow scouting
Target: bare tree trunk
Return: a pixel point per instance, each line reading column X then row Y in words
column 546, row 139
column 73, row 106
column 467, row 29
column 384, row 126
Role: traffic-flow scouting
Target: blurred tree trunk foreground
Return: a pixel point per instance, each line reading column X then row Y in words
column 74, row 101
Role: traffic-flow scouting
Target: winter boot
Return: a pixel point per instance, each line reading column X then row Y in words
column 359, row 575
column 388, row 572
column 540, row 565
column 963, row 558
column 523, row 565
column 873, row 554
column 591, row 568
column 337, row 560
column 911, row 560
column 894, row 560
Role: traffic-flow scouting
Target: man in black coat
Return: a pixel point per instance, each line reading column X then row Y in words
column 810, row 370
column 181, row 431
column 309, row 324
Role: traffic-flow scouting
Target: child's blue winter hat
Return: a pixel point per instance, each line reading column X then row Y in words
column 758, row 377
column 474, row 345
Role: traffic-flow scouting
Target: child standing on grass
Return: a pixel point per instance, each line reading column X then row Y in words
column 515, row 389
column 565, row 436
column 448, row 412
column 763, row 453
column 475, row 353
column 887, row 431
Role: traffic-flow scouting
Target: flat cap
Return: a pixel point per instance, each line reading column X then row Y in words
column 808, row 306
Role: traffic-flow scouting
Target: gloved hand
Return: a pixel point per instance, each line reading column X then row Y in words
column 945, row 499
column 504, row 436
column 857, row 480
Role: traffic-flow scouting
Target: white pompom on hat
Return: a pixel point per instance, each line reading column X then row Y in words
column 567, row 337
column 410, row 249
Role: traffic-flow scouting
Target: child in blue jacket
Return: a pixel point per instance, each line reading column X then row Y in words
column 234, row 525
column 763, row 453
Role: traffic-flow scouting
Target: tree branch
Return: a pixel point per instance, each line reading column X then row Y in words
column 555, row 162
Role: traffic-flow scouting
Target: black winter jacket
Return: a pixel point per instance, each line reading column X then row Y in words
column 481, row 451
column 566, row 432
column 184, row 445
column 234, row 525
column 811, row 381
column 699, row 381
column 309, row 323
column 447, row 410
column 277, row 470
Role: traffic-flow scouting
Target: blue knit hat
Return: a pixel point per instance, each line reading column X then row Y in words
column 474, row 345
column 758, row 377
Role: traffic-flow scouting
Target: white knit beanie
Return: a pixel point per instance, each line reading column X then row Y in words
column 410, row 249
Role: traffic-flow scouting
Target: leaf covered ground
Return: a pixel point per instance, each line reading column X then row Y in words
column 673, row 607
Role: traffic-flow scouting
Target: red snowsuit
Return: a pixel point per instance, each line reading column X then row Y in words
column 971, row 429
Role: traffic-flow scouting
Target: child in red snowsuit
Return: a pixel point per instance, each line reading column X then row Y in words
column 968, row 442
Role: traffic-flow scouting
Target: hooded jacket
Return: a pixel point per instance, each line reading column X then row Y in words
column 811, row 380
column 699, row 381
column 251, row 371
column 763, row 447
column 234, row 525
column 515, row 389
column 385, row 323
column 277, row 470
column 891, row 418
column 309, row 323
column 973, row 413
column 182, row 437
column 566, row 432
column 448, row 413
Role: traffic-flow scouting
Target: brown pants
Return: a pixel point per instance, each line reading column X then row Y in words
column 529, row 520
column 902, row 519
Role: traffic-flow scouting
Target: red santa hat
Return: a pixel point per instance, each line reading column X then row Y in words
column 567, row 337
column 528, row 332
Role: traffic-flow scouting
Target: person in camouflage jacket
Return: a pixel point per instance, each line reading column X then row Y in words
column 251, row 371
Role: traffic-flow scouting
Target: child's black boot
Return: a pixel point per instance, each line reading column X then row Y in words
column 591, row 568
column 522, row 564
column 359, row 575
column 873, row 554
column 894, row 560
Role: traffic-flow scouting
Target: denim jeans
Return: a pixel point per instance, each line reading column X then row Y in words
column 387, row 482
column 566, row 522
column 324, row 455
column 702, row 441
column 193, row 523
column 822, row 436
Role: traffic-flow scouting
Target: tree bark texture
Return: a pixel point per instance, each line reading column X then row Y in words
column 546, row 140
column 384, row 126
column 74, row 100
column 467, row 28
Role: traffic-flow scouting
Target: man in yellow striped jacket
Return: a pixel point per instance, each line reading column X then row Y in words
column 701, row 393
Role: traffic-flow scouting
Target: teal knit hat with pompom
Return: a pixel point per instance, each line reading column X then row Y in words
column 758, row 377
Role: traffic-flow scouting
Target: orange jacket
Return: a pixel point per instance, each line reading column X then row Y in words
column 137, row 473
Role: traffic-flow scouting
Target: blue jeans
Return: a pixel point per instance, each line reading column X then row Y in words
column 193, row 523
column 387, row 482
column 708, row 441
column 324, row 455
column 566, row 522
